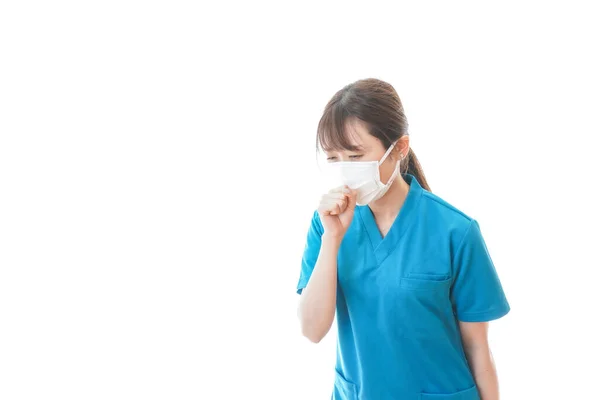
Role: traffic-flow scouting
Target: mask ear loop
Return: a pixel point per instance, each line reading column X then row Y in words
column 387, row 153
column 398, row 163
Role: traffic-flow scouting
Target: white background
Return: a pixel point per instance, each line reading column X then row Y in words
column 157, row 170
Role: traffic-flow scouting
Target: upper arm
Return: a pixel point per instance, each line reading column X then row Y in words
column 311, row 251
column 477, row 294
column 474, row 334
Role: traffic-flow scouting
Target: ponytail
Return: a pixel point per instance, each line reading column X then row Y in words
column 414, row 168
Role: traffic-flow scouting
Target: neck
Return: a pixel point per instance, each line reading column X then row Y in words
column 389, row 205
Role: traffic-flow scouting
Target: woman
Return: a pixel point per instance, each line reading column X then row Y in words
column 409, row 274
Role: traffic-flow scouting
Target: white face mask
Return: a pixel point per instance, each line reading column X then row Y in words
column 363, row 176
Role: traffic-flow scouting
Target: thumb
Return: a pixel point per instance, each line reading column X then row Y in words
column 351, row 194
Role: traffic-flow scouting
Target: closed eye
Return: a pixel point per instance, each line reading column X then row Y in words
column 351, row 157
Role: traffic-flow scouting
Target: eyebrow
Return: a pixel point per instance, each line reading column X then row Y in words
column 361, row 148
column 357, row 148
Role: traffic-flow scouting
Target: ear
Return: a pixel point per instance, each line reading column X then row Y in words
column 401, row 148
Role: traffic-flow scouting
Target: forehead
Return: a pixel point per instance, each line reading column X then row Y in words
column 358, row 133
column 336, row 134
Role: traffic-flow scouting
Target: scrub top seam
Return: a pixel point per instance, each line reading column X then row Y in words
column 401, row 233
column 476, row 313
column 433, row 197
column 485, row 316
column 301, row 285
column 400, row 237
column 462, row 242
column 366, row 229
column 411, row 218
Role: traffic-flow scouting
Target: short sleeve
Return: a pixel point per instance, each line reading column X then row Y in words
column 311, row 251
column 477, row 294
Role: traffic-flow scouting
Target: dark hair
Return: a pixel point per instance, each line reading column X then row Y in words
column 376, row 103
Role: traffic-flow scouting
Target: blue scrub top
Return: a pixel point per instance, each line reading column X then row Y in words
column 400, row 297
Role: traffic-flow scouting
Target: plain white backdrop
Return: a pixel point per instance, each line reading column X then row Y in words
column 158, row 175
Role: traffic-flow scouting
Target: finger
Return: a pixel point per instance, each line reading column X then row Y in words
column 329, row 208
column 324, row 211
column 336, row 201
column 328, row 202
column 339, row 189
column 351, row 198
column 336, row 210
column 333, row 196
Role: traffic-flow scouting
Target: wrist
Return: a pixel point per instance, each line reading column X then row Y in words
column 331, row 239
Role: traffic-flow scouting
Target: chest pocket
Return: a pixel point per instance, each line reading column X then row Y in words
column 422, row 307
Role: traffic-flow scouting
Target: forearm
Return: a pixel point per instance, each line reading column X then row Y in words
column 317, row 304
column 482, row 365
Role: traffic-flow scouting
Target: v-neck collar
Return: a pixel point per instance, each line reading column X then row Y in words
column 383, row 246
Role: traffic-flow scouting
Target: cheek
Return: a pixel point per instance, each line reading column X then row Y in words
column 386, row 170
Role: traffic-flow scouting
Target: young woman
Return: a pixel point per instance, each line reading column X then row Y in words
column 409, row 274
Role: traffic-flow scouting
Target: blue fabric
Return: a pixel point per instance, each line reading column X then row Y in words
column 400, row 298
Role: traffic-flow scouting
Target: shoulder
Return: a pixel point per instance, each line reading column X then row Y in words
column 435, row 203
column 441, row 215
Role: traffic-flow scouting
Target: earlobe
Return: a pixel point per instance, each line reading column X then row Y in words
column 404, row 153
column 403, row 146
column 399, row 151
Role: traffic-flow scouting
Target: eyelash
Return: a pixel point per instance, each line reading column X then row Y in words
column 353, row 157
